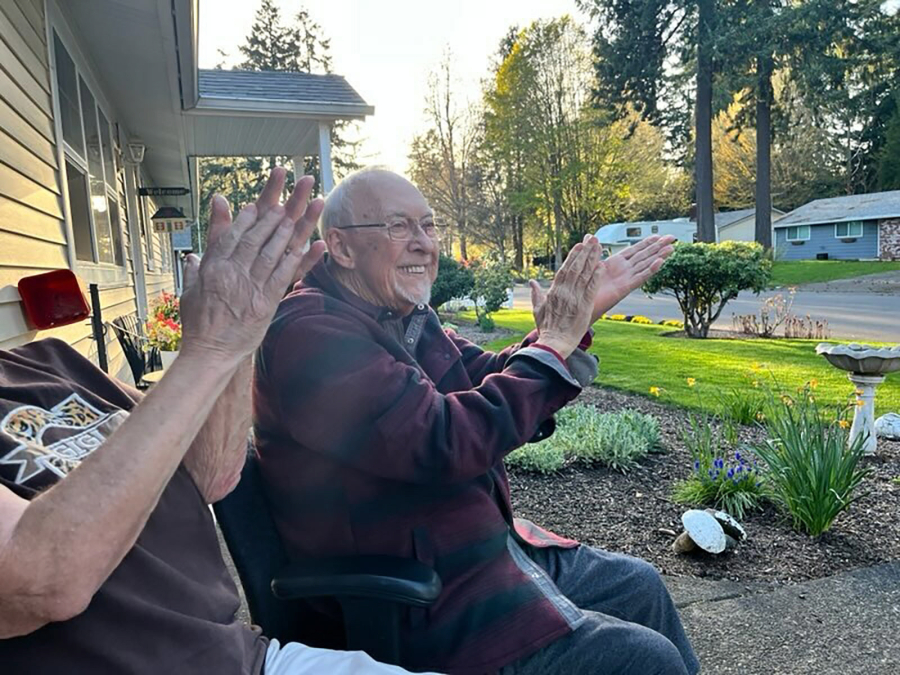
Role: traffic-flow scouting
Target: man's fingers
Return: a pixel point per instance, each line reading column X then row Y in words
column 304, row 227
column 191, row 270
column 271, row 192
column 639, row 247
column 297, row 202
column 309, row 260
column 253, row 236
column 537, row 295
column 219, row 218
column 273, row 251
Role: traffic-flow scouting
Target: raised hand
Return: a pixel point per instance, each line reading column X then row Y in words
column 563, row 314
column 629, row 269
column 231, row 295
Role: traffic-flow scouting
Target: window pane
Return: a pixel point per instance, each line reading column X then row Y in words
column 840, row 229
column 108, row 161
column 95, row 170
column 78, row 206
column 68, row 96
column 116, row 227
column 633, row 232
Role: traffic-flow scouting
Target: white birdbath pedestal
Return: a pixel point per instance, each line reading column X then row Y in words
column 867, row 367
column 864, row 417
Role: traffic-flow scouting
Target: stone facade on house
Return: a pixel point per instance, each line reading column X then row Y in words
column 889, row 238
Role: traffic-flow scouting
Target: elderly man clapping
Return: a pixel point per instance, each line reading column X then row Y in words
column 381, row 433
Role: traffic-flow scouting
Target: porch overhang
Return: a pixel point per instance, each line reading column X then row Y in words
column 144, row 52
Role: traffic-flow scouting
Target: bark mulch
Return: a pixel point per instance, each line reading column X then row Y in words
column 625, row 513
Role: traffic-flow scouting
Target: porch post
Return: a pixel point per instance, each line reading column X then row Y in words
column 325, row 157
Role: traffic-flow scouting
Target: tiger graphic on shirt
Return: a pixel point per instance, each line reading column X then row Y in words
column 55, row 440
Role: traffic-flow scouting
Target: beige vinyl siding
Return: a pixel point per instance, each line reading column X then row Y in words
column 32, row 229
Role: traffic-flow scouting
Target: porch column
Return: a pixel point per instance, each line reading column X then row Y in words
column 325, row 157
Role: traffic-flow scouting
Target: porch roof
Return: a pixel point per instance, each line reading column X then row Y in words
column 144, row 52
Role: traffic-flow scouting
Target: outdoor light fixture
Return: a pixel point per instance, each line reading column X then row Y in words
column 136, row 149
column 169, row 219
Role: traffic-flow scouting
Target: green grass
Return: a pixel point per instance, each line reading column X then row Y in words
column 635, row 357
column 794, row 273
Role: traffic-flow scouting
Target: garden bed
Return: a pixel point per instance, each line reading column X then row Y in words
column 625, row 513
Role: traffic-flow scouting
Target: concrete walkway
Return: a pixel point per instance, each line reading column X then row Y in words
column 847, row 624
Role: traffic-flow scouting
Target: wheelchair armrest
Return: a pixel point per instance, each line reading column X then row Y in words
column 379, row 577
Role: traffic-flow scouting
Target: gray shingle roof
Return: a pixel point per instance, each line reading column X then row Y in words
column 874, row 206
column 253, row 85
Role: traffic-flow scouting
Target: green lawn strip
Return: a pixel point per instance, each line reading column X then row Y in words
column 634, row 358
column 795, row 273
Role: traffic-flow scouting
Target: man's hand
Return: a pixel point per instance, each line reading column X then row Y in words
column 563, row 315
column 231, row 295
column 629, row 269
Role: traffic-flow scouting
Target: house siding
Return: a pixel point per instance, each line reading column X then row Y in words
column 889, row 239
column 822, row 240
column 33, row 232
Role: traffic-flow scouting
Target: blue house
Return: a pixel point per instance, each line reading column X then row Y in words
column 853, row 227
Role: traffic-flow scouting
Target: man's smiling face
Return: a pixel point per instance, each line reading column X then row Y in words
column 392, row 273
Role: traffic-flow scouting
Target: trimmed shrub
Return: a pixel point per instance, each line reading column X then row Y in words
column 704, row 277
column 454, row 280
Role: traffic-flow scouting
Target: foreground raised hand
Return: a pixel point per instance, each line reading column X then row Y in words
column 629, row 269
column 563, row 314
column 231, row 295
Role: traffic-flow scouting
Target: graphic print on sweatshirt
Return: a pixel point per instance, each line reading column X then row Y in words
column 55, row 440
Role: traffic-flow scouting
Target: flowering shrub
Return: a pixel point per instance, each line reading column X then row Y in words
column 642, row 320
column 586, row 436
column 164, row 324
column 673, row 323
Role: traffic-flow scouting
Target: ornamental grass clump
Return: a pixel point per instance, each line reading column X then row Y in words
column 813, row 471
column 586, row 436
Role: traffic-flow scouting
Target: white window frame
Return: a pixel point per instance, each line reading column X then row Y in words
column 93, row 270
column 849, row 235
column 787, row 232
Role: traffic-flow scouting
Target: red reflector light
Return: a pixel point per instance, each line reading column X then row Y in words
column 53, row 299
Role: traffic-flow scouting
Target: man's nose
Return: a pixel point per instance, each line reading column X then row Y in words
column 421, row 241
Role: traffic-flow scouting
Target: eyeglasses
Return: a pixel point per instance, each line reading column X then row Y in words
column 402, row 229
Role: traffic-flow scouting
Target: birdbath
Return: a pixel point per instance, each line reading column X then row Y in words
column 866, row 366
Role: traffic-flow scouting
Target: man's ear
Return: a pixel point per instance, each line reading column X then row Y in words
column 339, row 249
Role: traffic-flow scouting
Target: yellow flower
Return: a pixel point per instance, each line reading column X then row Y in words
column 843, row 424
column 756, row 367
column 860, row 403
column 655, row 391
column 691, row 381
column 755, row 383
column 760, row 417
column 858, row 392
column 813, row 383
column 787, row 400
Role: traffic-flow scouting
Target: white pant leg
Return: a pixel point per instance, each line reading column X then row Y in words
column 297, row 659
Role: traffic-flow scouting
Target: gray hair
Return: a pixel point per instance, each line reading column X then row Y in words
column 338, row 208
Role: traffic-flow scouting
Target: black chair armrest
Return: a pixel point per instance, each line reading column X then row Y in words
column 379, row 577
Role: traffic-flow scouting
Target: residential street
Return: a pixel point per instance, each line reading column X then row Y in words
column 850, row 315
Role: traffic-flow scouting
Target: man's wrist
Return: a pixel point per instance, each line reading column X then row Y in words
column 562, row 347
column 213, row 362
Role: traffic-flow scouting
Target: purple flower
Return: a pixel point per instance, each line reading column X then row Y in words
column 730, row 473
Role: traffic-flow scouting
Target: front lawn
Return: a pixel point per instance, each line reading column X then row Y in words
column 797, row 272
column 635, row 358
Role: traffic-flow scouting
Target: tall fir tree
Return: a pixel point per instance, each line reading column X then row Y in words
column 889, row 161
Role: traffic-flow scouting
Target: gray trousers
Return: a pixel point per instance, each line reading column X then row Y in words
column 631, row 625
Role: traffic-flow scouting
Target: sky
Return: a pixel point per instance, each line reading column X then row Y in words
column 386, row 50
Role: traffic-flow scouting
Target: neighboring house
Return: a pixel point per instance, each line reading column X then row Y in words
column 101, row 97
column 617, row 236
column 740, row 225
column 854, row 227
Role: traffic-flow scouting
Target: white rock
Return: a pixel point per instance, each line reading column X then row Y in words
column 888, row 426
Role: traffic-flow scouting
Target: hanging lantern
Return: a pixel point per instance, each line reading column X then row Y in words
column 169, row 219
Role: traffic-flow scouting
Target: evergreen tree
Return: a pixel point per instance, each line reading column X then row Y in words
column 268, row 45
column 889, row 162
